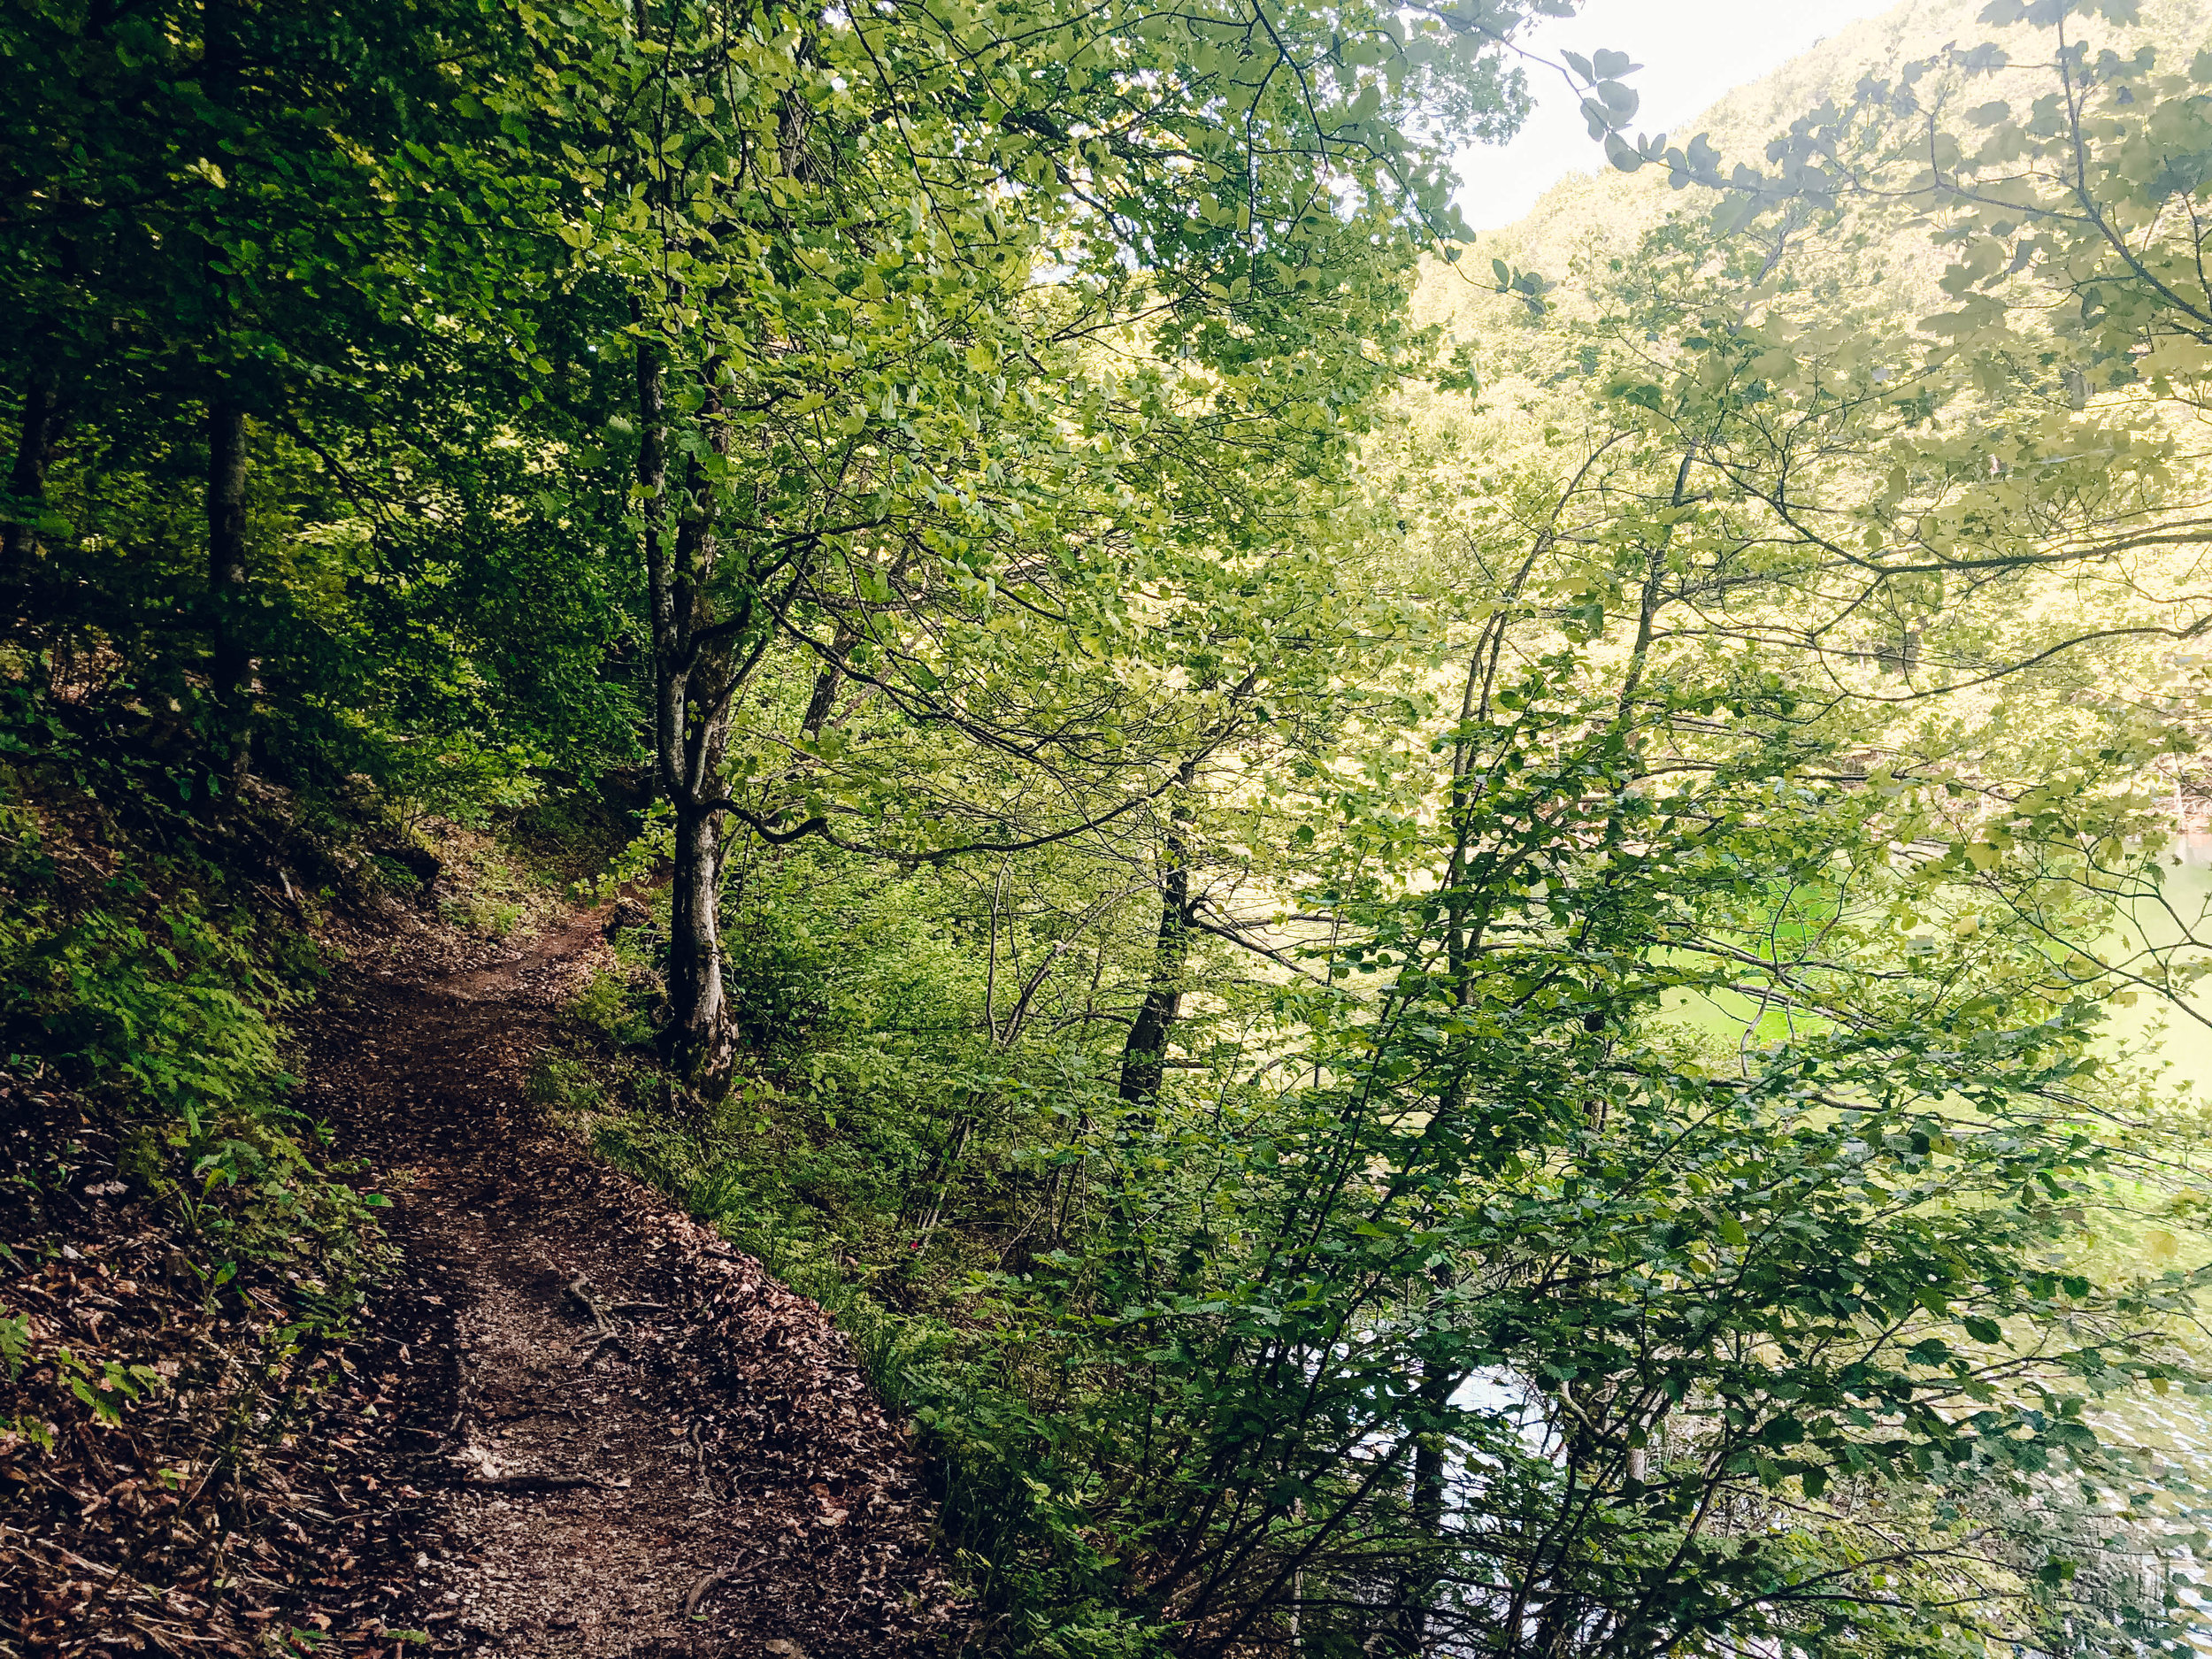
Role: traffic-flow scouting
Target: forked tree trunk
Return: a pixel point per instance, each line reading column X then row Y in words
column 693, row 692
column 702, row 1039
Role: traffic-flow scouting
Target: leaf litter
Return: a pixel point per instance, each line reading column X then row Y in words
column 574, row 1421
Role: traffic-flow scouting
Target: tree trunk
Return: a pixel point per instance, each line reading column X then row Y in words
column 699, row 1039
column 1421, row 1580
column 825, row 683
column 693, row 686
column 27, row 485
column 1143, row 1055
column 231, row 666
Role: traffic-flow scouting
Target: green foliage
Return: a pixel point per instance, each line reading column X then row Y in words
column 15, row 1337
column 1648, row 1191
column 1406, row 1018
column 395, row 874
column 146, row 992
column 138, row 981
column 1802, row 1292
column 560, row 1084
column 106, row 1388
column 610, row 1005
column 495, row 919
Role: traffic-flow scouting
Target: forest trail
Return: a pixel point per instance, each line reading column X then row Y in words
column 611, row 1416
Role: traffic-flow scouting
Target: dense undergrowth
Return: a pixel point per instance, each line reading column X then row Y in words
column 147, row 973
column 1070, row 1293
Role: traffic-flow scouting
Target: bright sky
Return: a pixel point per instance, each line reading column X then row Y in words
column 1692, row 51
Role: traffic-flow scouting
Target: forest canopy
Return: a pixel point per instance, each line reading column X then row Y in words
column 1423, row 930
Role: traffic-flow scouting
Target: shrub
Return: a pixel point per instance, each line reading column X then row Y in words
column 157, row 997
column 615, row 1008
column 560, row 1083
column 394, row 874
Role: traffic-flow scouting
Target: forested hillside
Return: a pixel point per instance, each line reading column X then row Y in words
column 1419, row 936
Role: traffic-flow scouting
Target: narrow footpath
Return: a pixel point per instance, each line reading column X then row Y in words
column 625, row 1437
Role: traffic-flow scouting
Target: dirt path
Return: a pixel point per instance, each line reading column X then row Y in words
column 614, row 1416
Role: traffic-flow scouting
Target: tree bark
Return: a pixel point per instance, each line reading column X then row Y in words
column 230, row 668
column 825, row 683
column 1143, row 1055
column 34, row 443
column 700, row 1040
column 1421, row 1580
column 693, row 687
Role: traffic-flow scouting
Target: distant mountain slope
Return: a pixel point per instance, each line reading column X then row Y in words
column 1605, row 212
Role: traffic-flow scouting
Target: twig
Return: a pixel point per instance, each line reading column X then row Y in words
column 575, row 1287
column 691, row 1601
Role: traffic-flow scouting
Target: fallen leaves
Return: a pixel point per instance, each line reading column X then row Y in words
column 166, row 1458
column 247, row 1493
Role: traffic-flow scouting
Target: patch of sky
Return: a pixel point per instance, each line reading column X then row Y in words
column 1692, row 52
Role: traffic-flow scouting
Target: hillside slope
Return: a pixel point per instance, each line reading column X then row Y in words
column 1590, row 217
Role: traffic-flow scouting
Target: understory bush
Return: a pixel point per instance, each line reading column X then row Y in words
column 141, row 981
column 1190, row 1367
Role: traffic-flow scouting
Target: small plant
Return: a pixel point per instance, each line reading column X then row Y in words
column 613, row 1008
column 393, row 875
column 15, row 1342
column 495, row 919
column 105, row 1385
column 561, row 1083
